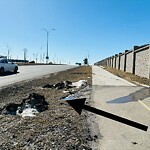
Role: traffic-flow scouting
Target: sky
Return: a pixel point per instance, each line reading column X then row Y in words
column 83, row 28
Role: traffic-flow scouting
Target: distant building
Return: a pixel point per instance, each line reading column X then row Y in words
column 18, row 60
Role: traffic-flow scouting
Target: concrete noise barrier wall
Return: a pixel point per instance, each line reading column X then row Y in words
column 136, row 61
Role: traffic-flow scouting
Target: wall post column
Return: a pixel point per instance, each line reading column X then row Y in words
column 125, row 59
column 134, row 59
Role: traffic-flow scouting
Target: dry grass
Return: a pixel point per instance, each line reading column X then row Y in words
column 128, row 76
column 59, row 127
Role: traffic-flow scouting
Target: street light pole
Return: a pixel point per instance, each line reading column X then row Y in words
column 47, row 32
column 47, row 58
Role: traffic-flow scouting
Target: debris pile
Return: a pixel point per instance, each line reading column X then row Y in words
column 59, row 85
column 59, row 127
column 66, row 84
column 28, row 107
column 79, row 84
column 71, row 95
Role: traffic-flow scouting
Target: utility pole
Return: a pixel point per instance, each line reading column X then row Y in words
column 40, row 58
column 36, row 58
column 33, row 56
column 25, row 54
column 8, row 51
column 43, row 56
column 87, row 57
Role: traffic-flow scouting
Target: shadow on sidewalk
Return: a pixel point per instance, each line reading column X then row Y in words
column 137, row 95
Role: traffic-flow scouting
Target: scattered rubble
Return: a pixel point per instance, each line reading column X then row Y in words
column 134, row 143
column 66, row 85
column 79, row 84
column 59, row 127
column 59, row 85
column 62, row 85
column 75, row 94
column 28, row 107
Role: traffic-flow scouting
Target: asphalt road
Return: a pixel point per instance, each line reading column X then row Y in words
column 30, row 72
column 117, row 96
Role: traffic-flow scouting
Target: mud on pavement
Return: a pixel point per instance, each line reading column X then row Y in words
column 58, row 126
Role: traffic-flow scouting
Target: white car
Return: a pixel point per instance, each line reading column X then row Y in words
column 7, row 66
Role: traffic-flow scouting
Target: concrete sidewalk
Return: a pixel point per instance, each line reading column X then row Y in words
column 104, row 78
column 122, row 98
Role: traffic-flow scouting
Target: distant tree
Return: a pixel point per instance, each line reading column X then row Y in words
column 85, row 61
column 32, row 62
column 78, row 64
column 50, row 63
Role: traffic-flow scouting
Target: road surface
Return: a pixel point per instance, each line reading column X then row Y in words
column 117, row 96
column 30, row 72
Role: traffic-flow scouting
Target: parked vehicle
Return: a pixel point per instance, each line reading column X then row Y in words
column 7, row 66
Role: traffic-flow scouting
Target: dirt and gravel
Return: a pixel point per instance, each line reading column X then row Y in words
column 58, row 127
